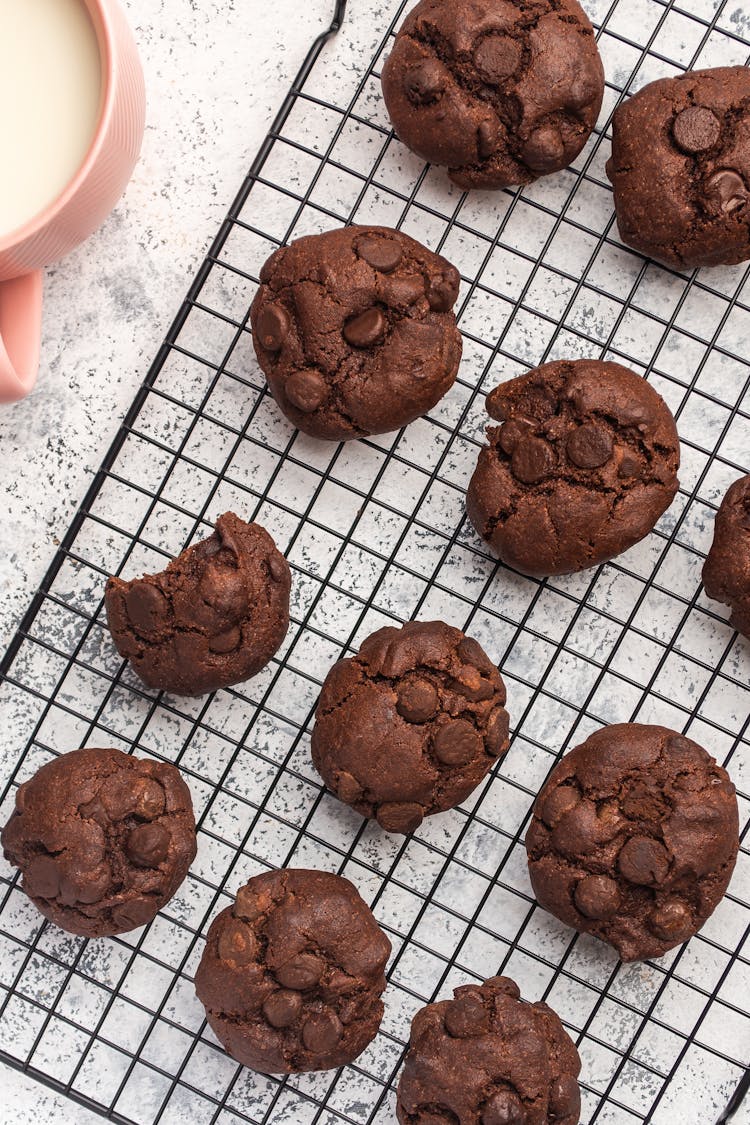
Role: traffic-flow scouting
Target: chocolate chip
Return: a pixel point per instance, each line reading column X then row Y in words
column 472, row 685
column 425, row 81
column 137, row 912
column 672, row 921
column 148, row 844
column 442, row 289
column 348, row 788
column 590, row 446
column 237, row 943
column 367, row 329
column 496, row 57
column 532, row 460
column 504, row 1107
column 457, row 742
column 512, row 432
column 597, row 896
column 322, row 1032
column 147, row 608
column 488, row 136
column 282, row 1008
column 247, row 905
column 226, row 642
column 149, row 798
column 643, row 861
column 725, row 192
column 383, row 254
column 273, row 327
column 471, row 652
column 559, row 802
column 278, row 567
column 417, row 701
column 223, row 588
column 41, row 879
column 696, row 129
column 498, row 729
column 88, row 887
column 505, row 985
column 465, row 1016
column 400, row 816
column 307, row 390
column 629, row 466
column 123, row 794
column 582, row 92
column 302, row 972
column 544, row 150
column 565, row 1099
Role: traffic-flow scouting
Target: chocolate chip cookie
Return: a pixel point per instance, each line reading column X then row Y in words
column 411, row 724
column 214, row 617
column 498, row 92
column 634, row 838
column 292, row 973
column 487, row 1058
column 582, row 467
column 680, row 168
column 102, row 840
column 726, row 574
column 355, row 332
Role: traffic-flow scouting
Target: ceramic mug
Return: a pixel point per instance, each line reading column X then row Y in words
column 83, row 206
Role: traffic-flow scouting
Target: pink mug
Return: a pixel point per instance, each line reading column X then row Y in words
column 83, row 206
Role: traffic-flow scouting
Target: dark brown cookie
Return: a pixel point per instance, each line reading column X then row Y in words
column 292, row 973
column 214, row 617
column 487, row 1058
column 634, row 838
column 411, row 724
column 355, row 332
column 102, row 840
column 583, row 466
column 726, row 574
column 680, row 168
column 499, row 92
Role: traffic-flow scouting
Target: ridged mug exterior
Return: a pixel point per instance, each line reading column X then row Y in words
column 82, row 207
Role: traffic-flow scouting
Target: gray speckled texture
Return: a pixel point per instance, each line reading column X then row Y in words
column 216, row 72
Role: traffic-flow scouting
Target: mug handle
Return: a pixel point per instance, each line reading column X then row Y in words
column 20, row 335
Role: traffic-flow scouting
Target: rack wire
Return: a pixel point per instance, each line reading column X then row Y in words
column 375, row 532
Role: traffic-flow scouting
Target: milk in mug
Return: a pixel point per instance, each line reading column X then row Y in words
column 50, row 100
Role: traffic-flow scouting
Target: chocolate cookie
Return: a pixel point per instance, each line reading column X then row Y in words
column 499, row 92
column 354, row 331
column 214, row 617
column 102, row 840
column 486, row 1058
column 726, row 574
column 680, row 168
column 583, row 466
column 411, row 724
column 292, row 973
column 634, row 838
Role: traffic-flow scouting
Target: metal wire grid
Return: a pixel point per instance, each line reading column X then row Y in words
column 375, row 532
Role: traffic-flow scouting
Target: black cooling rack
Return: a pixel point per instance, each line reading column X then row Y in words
column 375, row 532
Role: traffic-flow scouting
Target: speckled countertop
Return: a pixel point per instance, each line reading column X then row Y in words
column 216, row 71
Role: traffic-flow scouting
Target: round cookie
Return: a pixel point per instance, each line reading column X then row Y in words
column 500, row 93
column 292, row 973
column 634, row 838
column 583, row 466
column 213, row 618
column 355, row 332
column 680, row 168
column 726, row 574
column 411, row 724
column 102, row 840
column 487, row 1058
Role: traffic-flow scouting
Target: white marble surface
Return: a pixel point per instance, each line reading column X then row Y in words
column 216, row 72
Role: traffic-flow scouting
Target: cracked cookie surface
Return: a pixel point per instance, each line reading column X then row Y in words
column 411, row 724
column 680, row 168
column 213, row 618
column 292, row 973
column 581, row 469
column 499, row 92
column 634, row 838
column 726, row 573
column 487, row 1058
column 354, row 331
column 103, row 840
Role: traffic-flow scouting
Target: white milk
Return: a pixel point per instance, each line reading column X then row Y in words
column 50, row 92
